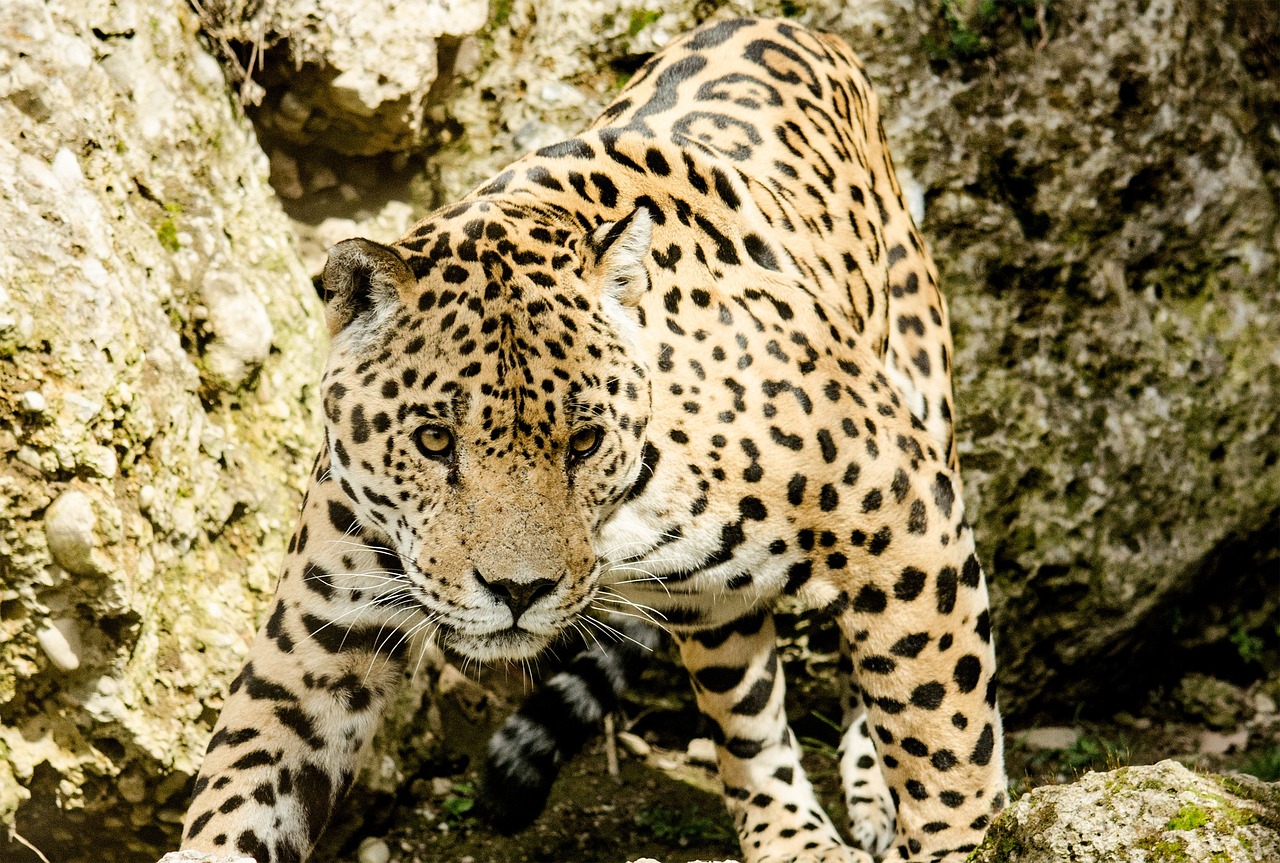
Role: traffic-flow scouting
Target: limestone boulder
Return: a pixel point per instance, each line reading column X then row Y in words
column 1162, row 812
column 160, row 344
column 357, row 77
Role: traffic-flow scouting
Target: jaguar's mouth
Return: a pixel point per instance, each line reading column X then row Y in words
column 512, row 643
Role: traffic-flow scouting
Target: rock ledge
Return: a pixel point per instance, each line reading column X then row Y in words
column 1161, row 813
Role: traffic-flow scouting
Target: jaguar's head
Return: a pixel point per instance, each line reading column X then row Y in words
column 486, row 410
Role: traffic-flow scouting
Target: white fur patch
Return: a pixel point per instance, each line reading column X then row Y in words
column 576, row 694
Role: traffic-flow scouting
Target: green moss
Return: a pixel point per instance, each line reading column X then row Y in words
column 684, row 825
column 969, row 31
column 501, row 12
column 640, row 19
column 1165, row 851
column 1006, row 839
column 1001, row 845
column 1189, row 817
column 167, row 234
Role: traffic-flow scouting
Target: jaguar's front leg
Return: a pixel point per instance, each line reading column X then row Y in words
column 739, row 685
column 310, row 696
column 869, row 804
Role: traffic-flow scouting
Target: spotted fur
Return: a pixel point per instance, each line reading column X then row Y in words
column 692, row 359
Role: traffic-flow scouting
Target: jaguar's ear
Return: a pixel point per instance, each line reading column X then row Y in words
column 619, row 249
column 362, row 280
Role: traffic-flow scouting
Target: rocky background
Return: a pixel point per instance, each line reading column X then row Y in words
column 1101, row 186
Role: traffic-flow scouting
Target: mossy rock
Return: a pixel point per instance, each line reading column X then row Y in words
column 1162, row 813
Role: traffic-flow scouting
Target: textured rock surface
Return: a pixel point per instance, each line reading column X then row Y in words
column 159, row 345
column 1163, row 813
column 354, row 76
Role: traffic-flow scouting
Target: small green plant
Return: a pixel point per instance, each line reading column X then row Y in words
column 1090, row 752
column 1248, row 645
column 1265, row 765
column 819, row 746
column 683, row 826
column 458, row 805
column 966, row 30
column 640, row 19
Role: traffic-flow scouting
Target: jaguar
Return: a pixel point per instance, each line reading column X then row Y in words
column 690, row 361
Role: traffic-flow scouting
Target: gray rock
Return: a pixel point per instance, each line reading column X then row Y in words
column 239, row 327
column 1050, row 737
column 1162, row 812
column 352, row 76
column 1216, row 703
column 159, row 424
column 70, row 528
column 60, row 642
column 198, row 857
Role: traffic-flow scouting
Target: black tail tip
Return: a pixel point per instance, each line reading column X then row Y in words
column 509, row 807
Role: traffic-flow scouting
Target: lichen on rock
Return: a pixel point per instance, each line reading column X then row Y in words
column 155, row 438
column 1162, row 813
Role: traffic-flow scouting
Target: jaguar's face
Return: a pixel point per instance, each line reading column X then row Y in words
column 486, row 416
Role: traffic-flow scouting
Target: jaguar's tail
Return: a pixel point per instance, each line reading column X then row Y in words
column 526, row 752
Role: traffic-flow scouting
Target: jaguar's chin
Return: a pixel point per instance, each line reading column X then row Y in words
column 507, row 644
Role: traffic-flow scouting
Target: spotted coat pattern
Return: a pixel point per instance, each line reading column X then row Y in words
column 686, row 362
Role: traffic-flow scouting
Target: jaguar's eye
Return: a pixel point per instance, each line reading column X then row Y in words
column 584, row 442
column 434, row 442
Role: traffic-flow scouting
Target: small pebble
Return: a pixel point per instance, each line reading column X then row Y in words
column 33, row 402
column 701, row 751
column 1049, row 737
column 69, row 526
column 201, row 857
column 373, row 851
column 55, row 644
column 1220, row 743
column 132, row 787
column 635, row 744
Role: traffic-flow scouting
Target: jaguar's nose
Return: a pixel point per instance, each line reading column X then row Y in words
column 517, row 595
